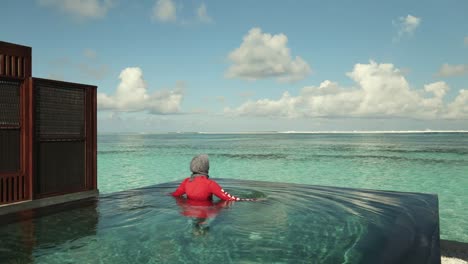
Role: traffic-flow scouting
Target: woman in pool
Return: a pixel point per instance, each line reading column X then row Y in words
column 199, row 187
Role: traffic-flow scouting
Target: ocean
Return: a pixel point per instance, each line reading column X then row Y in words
column 434, row 163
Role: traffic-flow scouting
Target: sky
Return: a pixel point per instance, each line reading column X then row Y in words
column 239, row 66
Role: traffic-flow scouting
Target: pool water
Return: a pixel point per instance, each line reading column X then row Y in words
column 416, row 162
column 290, row 223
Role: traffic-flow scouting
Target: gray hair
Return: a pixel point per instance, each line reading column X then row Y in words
column 200, row 165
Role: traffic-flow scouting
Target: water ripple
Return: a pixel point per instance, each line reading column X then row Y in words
column 251, row 156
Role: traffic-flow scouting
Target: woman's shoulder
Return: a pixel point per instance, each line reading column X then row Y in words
column 211, row 181
column 186, row 180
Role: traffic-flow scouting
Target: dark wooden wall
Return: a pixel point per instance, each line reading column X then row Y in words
column 15, row 70
column 48, row 132
column 63, row 137
column 15, row 60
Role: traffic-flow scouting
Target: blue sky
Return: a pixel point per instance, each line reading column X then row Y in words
column 171, row 65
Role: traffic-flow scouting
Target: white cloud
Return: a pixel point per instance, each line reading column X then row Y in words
column 168, row 11
column 246, row 94
column 447, row 70
column 262, row 55
column 89, row 68
column 90, row 54
column 381, row 91
column 97, row 72
column 164, row 11
column 407, row 25
column 202, row 14
column 434, row 107
column 132, row 95
column 221, row 99
column 439, row 89
column 466, row 41
column 458, row 109
column 80, row 8
column 384, row 90
column 286, row 106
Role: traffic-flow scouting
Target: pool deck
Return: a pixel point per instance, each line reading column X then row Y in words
column 50, row 201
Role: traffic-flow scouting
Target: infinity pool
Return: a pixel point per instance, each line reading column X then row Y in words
column 291, row 223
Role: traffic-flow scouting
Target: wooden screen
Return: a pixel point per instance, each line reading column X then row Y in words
column 12, row 181
column 60, row 139
column 15, row 69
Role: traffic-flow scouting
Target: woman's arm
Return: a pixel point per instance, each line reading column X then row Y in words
column 181, row 189
column 223, row 195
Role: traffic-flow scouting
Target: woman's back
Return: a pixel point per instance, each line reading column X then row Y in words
column 199, row 188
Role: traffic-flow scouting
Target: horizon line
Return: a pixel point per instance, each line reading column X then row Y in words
column 298, row 132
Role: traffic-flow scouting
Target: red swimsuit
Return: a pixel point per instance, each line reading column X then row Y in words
column 201, row 209
column 201, row 188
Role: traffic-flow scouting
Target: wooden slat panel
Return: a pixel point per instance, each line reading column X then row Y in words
column 20, row 66
column 13, row 189
column 13, row 66
column 7, row 65
column 21, row 187
column 93, row 138
column 8, row 190
column 5, row 190
column 2, row 64
column 18, row 187
column 27, row 67
column 1, row 190
column 29, row 139
column 15, row 60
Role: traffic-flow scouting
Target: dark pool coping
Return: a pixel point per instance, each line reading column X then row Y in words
column 44, row 202
column 454, row 249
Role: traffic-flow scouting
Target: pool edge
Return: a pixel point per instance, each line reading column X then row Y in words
column 44, row 202
column 454, row 249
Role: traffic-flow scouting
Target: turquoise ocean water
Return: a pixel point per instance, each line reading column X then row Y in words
column 413, row 162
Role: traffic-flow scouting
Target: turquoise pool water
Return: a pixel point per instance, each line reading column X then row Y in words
column 290, row 223
column 427, row 162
